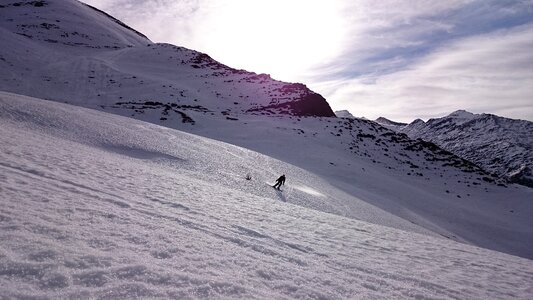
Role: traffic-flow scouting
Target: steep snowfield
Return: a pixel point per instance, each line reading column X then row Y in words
column 100, row 206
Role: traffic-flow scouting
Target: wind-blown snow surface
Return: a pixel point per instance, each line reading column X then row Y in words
column 100, row 206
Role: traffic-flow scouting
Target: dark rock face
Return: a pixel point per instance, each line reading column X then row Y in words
column 313, row 105
column 309, row 104
column 522, row 176
column 39, row 3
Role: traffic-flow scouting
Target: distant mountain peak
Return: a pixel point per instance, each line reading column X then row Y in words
column 418, row 121
column 392, row 125
column 344, row 114
column 462, row 114
column 497, row 144
column 383, row 120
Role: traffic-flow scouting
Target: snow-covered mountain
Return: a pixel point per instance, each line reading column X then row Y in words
column 344, row 114
column 98, row 206
column 396, row 126
column 51, row 49
column 499, row 145
column 363, row 171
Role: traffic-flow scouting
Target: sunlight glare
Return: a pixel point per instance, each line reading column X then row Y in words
column 281, row 38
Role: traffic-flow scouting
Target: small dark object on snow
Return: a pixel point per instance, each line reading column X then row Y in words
column 279, row 182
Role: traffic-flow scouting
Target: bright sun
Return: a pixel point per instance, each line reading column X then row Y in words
column 282, row 38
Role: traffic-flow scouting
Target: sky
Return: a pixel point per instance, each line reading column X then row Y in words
column 400, row 59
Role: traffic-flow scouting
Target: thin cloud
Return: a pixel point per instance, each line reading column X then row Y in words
column 485, row 73
column 424, row 59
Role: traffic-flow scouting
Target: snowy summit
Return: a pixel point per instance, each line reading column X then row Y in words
column 462, row 114
column 344, row 114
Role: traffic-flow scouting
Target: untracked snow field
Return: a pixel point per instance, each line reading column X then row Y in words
column 98, row 206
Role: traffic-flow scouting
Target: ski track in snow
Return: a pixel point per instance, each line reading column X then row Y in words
column 99, row 206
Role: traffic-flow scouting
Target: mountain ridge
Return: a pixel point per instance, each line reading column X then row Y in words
column 500, row 145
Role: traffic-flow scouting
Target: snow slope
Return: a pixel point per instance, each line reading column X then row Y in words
column 414, row 180
column 99, row 206
column 499, row 145
column 364, row 171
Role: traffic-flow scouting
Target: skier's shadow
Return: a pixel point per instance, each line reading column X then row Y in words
column 281, row 195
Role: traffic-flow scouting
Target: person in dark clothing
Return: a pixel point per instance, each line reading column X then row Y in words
column 279, row 182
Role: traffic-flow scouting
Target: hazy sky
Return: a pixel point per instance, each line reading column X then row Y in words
column 399, row 59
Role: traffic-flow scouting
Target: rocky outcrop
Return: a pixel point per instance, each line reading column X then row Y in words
column 308, row 104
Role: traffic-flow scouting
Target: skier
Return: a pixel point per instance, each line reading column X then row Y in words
column 279, row 182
